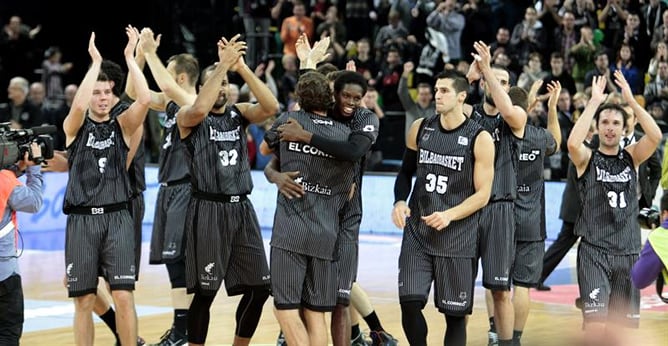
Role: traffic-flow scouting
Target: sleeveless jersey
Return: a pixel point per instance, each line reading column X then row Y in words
column 444, row 178
column 217, row 154
column 97, row 158
column 530, row 202
column 138, row 164
column 609, row 217
column 171, row 165
column 507, row 146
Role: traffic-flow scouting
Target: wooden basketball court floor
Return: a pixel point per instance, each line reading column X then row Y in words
column 553, row 320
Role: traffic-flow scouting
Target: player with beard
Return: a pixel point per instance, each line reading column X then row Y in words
column 505, row 122
column 223, row 239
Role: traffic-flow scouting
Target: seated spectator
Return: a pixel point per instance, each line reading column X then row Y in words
column 53, row 71
column 658, row 112
column 651, row 16
column 531, row 71
column 582, row 55
column 612, row 18
column 502, row 41
column 584, row 12
column 262, row 71
column 660, row 53
column 371, row 102
column 565, row 37
column 288, row 81
column 59, row 114
column 626, row 64
column 478, row 15
column 418, row 107
column 432, row 57
column 364, row 59
column 633, row 35
column 527, row 37
column 37, row 96
column 391, row 35
column 557, row 73
column 330, row 24
column 295, row 25
column 450, row 22
column 17, row 53
column 601, row 68
column 502, row 58
column 657, row 89
column 580, row 100
column 387, row 81
column 19, row 111
column 319, row 12
column 661, row 32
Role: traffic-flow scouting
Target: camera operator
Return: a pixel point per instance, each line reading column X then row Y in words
column 15, row 196
column 654, row 255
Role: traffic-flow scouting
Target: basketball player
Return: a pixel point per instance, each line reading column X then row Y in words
column 530, row 206
column 505, row 122
column 452, row 158
column 306, row 232
column 223, row 235
column 349, row 88
column 608, row 226
column 98, row 194
column 178, row 80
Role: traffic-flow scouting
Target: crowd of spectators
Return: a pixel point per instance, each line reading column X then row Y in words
column 399, row 45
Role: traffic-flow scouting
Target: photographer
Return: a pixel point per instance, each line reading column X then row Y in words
column 14, row 196
column 654, row 255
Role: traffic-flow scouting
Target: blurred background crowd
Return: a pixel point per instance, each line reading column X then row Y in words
column 398, row 45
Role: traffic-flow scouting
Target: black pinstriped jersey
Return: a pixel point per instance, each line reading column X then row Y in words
column 96, row 160
column 530, row 202
column 507, row 146
column 608, row 191
column 138, row 164
column 171, row 165
column 444, row 178
column 217, row 153
column 310, row 225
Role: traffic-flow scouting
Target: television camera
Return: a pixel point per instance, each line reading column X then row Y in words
column 14, row 143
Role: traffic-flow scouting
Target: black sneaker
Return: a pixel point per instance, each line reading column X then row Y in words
column 543, row 287
column 382, row 338
column 280, row 341
column 172, row 337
